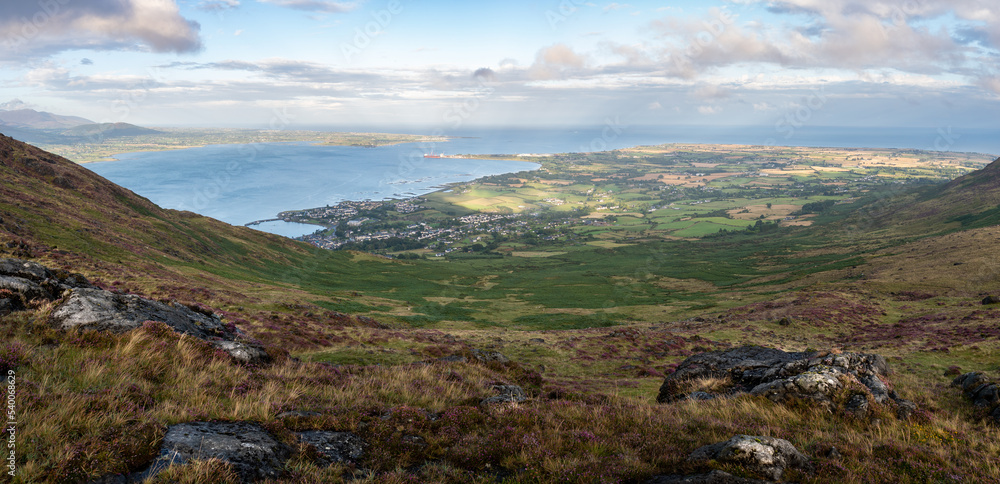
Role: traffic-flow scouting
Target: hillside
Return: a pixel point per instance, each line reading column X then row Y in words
column 31, row 119
column 108, row 130
column 849, row 389
column 968, row 202
column 59, row 212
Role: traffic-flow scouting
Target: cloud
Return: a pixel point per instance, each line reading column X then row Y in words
column 87, row 62
column 615, row 6
column 33, row 29
column 218, row 5
column 554, row 62
column 14, row 105
column 708, row 110
column 991, row 83
column 485, row 74
column 317, row 5
column 838, row 34
column 711, row 91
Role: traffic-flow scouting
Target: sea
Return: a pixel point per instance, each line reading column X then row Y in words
column 241, row 184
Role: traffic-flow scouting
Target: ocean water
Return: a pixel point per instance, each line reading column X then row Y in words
column 239, row 184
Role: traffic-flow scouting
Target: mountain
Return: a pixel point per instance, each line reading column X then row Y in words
column 108, row 130
column 970, row 201
column 843, row 377
column 29, row 118
column 63, row 214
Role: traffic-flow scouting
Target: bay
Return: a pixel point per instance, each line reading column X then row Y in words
column 240, row 184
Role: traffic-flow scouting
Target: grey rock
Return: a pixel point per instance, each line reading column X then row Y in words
column 505, row 394
column 88, row 308
column 539, row 341
column 454, row 359
column 252, row 452
column 28, row 290
column 107, row 311
column 714, row 477
column 857, row 404
column 817, row 386
column 483, row 356
column 242, row 352
column 781, row 376
column 25, row 269
column 6, row 307
column 334, row 447
column 988, row 300
column 981, row 391
column 765, row 457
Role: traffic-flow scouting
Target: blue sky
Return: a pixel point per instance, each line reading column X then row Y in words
column 427, row 65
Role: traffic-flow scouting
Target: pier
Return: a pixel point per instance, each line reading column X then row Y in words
column 258, row 222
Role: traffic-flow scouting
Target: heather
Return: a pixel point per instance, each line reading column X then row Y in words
column 410, row 356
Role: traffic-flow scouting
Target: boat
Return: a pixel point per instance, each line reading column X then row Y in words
column 431, row 155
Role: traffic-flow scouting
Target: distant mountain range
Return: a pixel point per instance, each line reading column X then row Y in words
column 18, row 120
column 108, row 130
column 31, row 119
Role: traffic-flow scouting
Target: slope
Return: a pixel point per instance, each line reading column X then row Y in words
column 108, row 130
column 29, row 118
column 61, row 213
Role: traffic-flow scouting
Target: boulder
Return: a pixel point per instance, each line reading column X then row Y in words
column 334, row 447
column 251, row 451
column 505, row 394
column 24, row 281
column 714, row 477
column 88, row 308
column 981, row 391
column 26, row 269
column 782, row 376
column 764, row 457
column 106, row 311
column 989, row 300
column 484, row 356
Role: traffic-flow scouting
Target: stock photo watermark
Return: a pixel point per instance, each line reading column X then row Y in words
column 713, row 29
column 364, row 36
column 613, row 128
column 10, row 428
column 799, row 116
column 32, row 27
column 213, row 188
column 563, row 11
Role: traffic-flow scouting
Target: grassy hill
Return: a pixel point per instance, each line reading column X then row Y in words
column 29, row 118
column 95, row 404
column 107, row 130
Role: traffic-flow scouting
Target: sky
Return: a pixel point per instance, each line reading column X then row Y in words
column 295, row 64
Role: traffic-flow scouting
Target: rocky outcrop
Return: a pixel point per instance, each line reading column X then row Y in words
column 981, row 391
column 23, row 283
column 782, row 377
column 102, row 310
column 334, row 447
column 253, row 453
column 484, row 356
column 764, row 457
column 505, row 394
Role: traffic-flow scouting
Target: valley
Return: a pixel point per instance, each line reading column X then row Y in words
column 576, row 332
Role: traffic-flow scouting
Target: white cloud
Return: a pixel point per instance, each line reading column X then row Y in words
column 554, row 62
column 327, row 6
column 708, row 110
column 32, row 29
